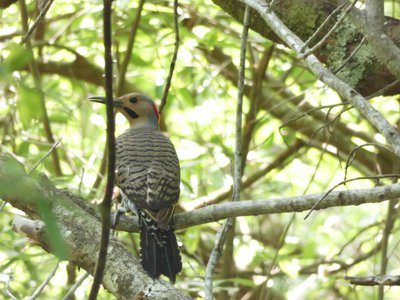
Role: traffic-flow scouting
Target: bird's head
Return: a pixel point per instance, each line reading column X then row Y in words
column 139, row 110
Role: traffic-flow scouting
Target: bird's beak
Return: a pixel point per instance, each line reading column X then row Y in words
column 116, row 101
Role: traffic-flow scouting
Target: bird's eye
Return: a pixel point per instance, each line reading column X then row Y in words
column 133, row 100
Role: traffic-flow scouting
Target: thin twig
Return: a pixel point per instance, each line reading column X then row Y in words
column 44, row 157
column 214, row 256
column 81, row 182
column 340, row 265
column 288, row 226
column 174, row 57
column 324, row 39
column 389, row 224
column 331, row 15
column 351, row 156
column 129, row 48
column 350, row 56
column 73, row 16
column 383, row 90
column 372, row 115
column 360, row 231
column 100, row 173
column 38, row 19
column 237, row 174
column 272, row 3
column 281, row 160
column 2, row 206
column 376, row 177
column 8, row 292
column 41, row 287
column 274, row 261
column 34, row 69
column 105, row 206
column 255, row 99
column 77, row 284
column 307, row 113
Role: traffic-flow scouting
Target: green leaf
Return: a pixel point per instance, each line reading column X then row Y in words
column 18, row 58
column 60, row 117
column 29, row 106
column 53, row 232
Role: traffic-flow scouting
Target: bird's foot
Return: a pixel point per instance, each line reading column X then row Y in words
column 120, row 211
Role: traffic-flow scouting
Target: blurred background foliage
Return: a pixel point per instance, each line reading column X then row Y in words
column 297, row 137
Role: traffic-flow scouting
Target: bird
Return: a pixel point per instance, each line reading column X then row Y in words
column 148, row 175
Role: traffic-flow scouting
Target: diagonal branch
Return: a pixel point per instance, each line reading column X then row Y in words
column 173, row 60
column 38, row 19
column 79, row 224
column 330, row 32
column 373, row 116
column 129, row 48
column 34, row 69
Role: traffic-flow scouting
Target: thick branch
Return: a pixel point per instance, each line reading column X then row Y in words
column 305, row 17
column 123, row 277
column 79, row 225
column 309, row 127
column 374, row 280
column 23, row 191
column 364, row 107
column 81, row 69
column 385, row 49
column 218, row 212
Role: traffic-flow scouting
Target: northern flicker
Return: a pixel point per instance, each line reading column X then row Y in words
column 148, row 174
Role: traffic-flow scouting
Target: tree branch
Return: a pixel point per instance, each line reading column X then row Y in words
column 38, row 19
column 34, row 69
column 374, row 280
column 214, row 213
column 217, row 212
column 332, row 30
column 385, row 49
column 373, row 116
column 237, row 166
column 292, row 105
column 105, row 206
column 129, row 48
column 79, row 223
column 173, row 60
column 299, row 20
column 280, row 161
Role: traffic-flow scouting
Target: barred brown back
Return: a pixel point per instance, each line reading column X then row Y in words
column 148, row 174
column 148, row 169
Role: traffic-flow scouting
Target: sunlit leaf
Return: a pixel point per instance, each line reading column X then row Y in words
column 29, row 105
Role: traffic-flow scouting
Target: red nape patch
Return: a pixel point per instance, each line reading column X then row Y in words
column 156, row 112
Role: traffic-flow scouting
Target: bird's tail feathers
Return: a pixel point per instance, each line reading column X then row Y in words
column 158, row 249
